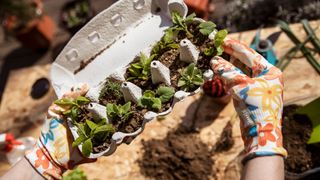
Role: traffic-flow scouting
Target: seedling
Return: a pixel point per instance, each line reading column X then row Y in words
column 153, row 100
column 180, row 24
column 92, row 132
column 191, row 78
column 111, row 88
column 119, row 112
column 218, row 41
column 141, row 69
column 206, row 28
column 76, row 107
column 167, row 42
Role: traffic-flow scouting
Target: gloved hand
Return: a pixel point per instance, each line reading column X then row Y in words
column 258, row 100
column 53, row 153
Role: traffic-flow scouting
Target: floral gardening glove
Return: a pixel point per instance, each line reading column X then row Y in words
column 257, row 99
column 53, row 153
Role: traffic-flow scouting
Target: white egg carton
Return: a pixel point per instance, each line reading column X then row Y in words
column 105, row 47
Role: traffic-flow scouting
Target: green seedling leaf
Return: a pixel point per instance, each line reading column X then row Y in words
column 149, row 93
column 208, row 51
column 64, row 102
column 82, row 100
column 156, row 103
column 79, row 140
column 165, row 93
column 207, row 27
column 312, row 111
column 91, row 125
column 191, row 77
column 126, row 108
column 141, row 69
column 104, row 128
column 219, row 37
column 76, row 174
column 87, row 147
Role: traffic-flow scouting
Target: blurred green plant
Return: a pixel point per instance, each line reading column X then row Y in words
column 23, row 11
column 76, row 174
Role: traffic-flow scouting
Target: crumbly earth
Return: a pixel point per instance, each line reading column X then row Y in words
column 181, row 155
column 296, row 133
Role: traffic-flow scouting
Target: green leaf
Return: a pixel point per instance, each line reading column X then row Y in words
column 208, row 51
column 104, row 128
column 312, row 111
column 74, row 113
column 64, row 102
column 82, row 100
column 219, row 50
column 190, row 17
column 207, row 27
column 87, row 147
column 91, row 125
column 173, row 46
column 156, row 103
column 181, row 82
column 125, row 108
column 149, row 93
column 168, row 36
column 76, row 174
column 219, row 37
column 79, row 140
column 165, row 93
column 136, row 65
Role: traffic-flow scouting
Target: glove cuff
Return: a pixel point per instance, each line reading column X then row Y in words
column 40, row 159
column 264, row 139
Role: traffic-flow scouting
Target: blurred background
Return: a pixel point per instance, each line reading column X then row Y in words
column 33, row 32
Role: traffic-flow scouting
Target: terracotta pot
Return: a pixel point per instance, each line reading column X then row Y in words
column 200, row 7
column 38, row 34
column 64, row 15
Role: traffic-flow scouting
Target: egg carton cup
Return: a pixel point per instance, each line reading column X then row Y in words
column 106, row 46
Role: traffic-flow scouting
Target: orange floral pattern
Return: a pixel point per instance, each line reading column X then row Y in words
column 42, row 160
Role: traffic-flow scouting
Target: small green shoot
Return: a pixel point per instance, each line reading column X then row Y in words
column 92, row 134
column 167, row 42
column 111, row 88
column 180, row 23
column 218, row 41
column 191, row 78
column 75, row 107
column 153, row 100
column 206, row 28
column 141, row 69
column 119, row 112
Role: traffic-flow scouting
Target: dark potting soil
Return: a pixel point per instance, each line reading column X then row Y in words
column 180, row 155
column 133, row 123
column 225, row 141
column 296, row 133
column 171, row 60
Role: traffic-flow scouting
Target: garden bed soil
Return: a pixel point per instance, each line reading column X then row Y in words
column 181, row 155
column 296, row 133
